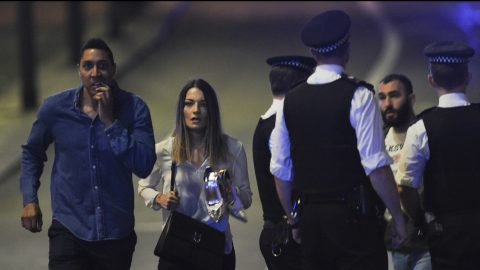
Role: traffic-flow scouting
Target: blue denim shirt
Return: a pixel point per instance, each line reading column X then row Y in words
column 91, row 182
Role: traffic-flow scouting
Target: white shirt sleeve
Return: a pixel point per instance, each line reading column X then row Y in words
column 281, row 162
column 366, row 119
column 147, row 187
column 415, row 153
column 240, row 178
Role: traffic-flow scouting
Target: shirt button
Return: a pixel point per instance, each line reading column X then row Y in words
column 95, row 187
column 91, row 146
column 98, row 207
column 93, row 167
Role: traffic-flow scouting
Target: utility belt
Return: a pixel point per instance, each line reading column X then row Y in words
column 281, row 236
column 362, row 199
column 472, row 217
column 268, row 224
column 437, row 223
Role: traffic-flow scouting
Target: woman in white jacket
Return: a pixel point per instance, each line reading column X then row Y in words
column 197, row 142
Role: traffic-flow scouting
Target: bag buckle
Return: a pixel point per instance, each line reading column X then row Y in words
column 197, row 237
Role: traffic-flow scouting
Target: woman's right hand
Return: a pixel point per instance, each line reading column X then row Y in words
column 168, row 201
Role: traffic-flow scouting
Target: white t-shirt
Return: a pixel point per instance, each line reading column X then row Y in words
column 394, row 144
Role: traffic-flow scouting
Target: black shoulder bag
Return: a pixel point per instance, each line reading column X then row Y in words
column 187, row 240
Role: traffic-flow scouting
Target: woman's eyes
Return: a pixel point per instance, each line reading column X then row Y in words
column 202, row 104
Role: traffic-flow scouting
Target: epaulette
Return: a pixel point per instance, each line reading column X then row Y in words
column 423, row 113
column 476, row 105
column 295, row 84
column 360, row 83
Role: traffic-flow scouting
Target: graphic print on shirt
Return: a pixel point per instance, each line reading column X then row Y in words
column 394, row 144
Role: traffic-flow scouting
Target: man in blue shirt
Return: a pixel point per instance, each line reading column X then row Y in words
column 102, row 135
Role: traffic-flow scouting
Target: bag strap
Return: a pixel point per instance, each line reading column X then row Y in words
column 172, row 181
column 174, row 172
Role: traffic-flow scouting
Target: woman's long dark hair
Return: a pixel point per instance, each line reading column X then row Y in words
column 215, row 144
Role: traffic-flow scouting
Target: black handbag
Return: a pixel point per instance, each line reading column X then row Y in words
column 189, row 241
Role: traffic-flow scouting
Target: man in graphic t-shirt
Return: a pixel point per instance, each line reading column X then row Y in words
column 396, row 101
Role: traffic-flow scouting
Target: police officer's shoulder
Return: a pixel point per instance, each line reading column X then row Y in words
column 297, row 84
column 424, row 113
column 359, row 83
column 296, row 88
column 476, row 104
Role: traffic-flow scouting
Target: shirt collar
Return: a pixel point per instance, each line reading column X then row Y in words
column 453, row 100
column 276, row 104
column 325, row 74
column 76, row 98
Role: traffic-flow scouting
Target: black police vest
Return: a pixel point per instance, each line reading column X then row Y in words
column 452, row 173
column 323, row 143
column 272, row 208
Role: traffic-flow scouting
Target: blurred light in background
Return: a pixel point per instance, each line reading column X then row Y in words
column 467, row 17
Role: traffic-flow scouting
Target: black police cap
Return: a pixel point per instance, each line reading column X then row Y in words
column 326, row 31
column 303, row 62
column 448, row 52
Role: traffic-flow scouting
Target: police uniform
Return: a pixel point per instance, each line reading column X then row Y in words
column 276, row 256
column 443, row 147
column 320, row 137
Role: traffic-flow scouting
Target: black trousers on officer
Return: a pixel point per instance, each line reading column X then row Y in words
column 67, row 252
column 289, row 259
column 334, row 237
column 457, row 247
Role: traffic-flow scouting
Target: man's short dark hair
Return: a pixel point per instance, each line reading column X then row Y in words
column 283, row 78
column 449, row 76
column 97, row 43
column 407, row 84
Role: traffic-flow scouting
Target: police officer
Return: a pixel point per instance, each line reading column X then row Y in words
column 328, row 139
column 285, row 73
column 443, row 147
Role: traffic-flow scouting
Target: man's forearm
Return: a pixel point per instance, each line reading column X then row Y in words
column 411, row 202
column 284, row 191
column 384, row 184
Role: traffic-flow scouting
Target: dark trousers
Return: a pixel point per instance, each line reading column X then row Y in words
column 290, row 257
column 335, row 237
column 458, row 246
column 228, row 263
column 67, row 252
